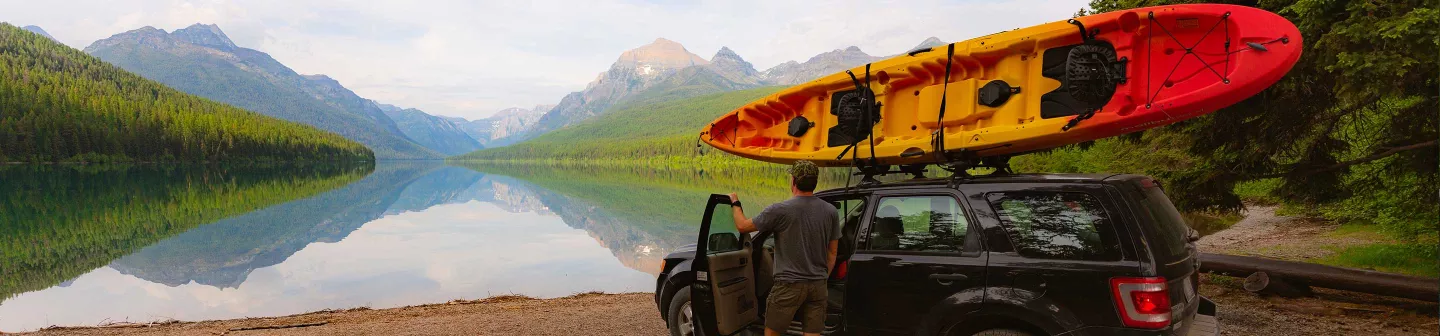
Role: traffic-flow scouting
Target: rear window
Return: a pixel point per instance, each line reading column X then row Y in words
column 1056, row 225
column 1169, row 228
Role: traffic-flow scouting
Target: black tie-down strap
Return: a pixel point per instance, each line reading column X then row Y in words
column 937, row 139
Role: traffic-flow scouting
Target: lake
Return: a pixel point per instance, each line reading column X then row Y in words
column 86, row 245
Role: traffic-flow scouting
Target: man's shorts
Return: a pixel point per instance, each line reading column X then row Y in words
column 807, row 298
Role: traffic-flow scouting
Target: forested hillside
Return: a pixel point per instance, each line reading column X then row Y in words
column 59, row 104
column 643, row 130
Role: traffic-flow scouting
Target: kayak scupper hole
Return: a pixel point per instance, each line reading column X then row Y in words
column 917, row 92
column 912, row 127
column 884, row 77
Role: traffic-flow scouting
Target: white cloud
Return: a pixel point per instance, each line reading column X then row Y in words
column 470, row 59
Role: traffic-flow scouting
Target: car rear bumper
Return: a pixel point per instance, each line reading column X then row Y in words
column 1203, row 323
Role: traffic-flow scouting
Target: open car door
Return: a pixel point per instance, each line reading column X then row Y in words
column 723, row 294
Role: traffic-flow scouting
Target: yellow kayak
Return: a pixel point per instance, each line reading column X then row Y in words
column 1022, row 90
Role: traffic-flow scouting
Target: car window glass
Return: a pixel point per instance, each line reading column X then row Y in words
column 918, row 223
column 1168, row 226
column 851, row 212
column 723, row 235
column 1056, row 225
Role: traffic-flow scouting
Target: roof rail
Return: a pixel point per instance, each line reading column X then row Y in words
column 958, row 169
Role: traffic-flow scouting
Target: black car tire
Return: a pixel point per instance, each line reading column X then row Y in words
column 678, row 318
column 1002, row 332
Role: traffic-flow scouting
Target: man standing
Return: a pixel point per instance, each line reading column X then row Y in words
column 807, row 232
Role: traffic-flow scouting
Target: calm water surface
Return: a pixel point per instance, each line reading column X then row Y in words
column 90, row 245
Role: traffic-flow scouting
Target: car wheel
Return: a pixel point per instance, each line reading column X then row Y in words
column 1002, row 332
column 682, row 316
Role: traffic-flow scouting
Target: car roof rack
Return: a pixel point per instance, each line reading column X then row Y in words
column 958, row 169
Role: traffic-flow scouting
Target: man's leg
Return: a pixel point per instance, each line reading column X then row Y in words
column 785, row 298
column 812, row 311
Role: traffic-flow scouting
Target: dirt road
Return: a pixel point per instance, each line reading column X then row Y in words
column 1266, row 234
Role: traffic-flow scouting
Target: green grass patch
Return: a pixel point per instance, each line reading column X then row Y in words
column 1419, row 259
column 1259, row 192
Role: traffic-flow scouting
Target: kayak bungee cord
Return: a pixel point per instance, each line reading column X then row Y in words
column 1190, row 50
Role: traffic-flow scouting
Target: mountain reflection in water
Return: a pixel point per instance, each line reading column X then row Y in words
column 405, row 233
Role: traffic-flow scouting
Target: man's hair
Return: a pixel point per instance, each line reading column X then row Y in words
column 805, row 174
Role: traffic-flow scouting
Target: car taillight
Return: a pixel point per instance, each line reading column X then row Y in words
column 1143, row 302
column 841, row 270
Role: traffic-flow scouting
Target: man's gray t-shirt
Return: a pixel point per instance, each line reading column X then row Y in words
column 803, row 227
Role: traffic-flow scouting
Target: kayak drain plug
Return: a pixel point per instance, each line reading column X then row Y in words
column 799, row 126
column 996, row 93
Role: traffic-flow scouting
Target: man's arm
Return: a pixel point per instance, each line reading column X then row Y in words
column 830, row 258
column 742, row 224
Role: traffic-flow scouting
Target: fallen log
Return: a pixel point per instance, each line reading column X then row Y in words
column 1263, row 283
column 1349, row 279
column 284, row 326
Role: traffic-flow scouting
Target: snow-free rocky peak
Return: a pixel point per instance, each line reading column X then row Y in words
column 657, row 56
column 729, row 64
column 205, row 35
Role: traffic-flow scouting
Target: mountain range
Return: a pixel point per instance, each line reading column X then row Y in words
column 440, row 134
column 498, row 128
column 665, row 71
column 201, row 60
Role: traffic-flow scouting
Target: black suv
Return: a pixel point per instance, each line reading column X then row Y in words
column 995, row 255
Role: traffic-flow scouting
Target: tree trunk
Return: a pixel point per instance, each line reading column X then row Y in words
column 1263, row 283
column 1350, row 279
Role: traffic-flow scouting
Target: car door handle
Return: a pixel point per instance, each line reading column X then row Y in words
column 949, row 277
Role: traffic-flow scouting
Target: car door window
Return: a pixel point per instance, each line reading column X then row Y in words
column 918, row 223
column 1056, row 225
column 723, row 235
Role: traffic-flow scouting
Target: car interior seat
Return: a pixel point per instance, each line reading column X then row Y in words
column 888, row 227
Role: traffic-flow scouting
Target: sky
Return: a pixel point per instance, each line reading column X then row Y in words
column 469, row 59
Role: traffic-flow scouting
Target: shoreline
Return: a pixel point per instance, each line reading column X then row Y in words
column 584, row 313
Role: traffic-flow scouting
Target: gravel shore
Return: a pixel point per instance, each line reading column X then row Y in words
column 584, row 314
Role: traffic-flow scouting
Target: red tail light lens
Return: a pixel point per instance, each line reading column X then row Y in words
column 1142, row 302
column 841, row 270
